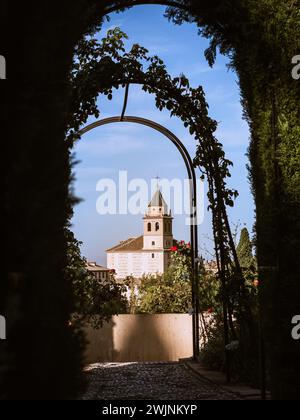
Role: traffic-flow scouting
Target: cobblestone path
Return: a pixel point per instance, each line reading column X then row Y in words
column 149, row 381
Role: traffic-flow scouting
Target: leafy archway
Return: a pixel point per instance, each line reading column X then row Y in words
column 260, row 37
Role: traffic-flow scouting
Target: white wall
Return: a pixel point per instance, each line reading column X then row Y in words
column 136, row 263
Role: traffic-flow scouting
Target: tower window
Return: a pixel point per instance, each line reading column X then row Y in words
column 149, row 227
column 157, row 226
column 153, row 243
column 153, row 256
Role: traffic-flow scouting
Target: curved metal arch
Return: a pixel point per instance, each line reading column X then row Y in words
column 193, row 203
column 163, row 130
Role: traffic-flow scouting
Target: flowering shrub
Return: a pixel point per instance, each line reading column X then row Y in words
column 182, row 247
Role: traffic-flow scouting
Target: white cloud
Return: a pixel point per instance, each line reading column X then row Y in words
column 235, row 137
column 220, row 94
column 175, row 165
column 91, row 171
column 196, row 69
column 111, row 145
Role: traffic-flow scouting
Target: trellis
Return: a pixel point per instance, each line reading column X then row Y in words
column 193, row 204
column 190, row 106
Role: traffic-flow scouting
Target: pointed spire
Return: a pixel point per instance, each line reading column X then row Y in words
column 157, row 200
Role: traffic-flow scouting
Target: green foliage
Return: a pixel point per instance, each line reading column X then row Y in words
column 212, row 353
column 172, row 291
column 95, row 301
column 209, row 292
column 162, row 294
column 244, row 250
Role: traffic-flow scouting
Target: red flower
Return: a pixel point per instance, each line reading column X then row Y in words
column 174, row 249
column 256, row 283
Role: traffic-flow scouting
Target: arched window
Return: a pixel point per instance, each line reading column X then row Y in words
column 149, row 227
column 157, row 226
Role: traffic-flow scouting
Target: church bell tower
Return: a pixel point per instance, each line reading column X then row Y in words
column 158, row 225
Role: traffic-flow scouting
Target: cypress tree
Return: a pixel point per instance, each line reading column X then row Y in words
column 244, row 250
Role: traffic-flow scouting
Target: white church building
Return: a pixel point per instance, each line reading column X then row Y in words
column 149, row 253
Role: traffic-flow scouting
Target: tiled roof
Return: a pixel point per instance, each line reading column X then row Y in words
column 131, row 245
column 149, row 217
column 92, row 266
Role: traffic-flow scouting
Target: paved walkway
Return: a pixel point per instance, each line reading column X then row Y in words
column 149, row 381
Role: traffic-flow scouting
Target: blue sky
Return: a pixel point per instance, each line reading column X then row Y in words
column 146, row 154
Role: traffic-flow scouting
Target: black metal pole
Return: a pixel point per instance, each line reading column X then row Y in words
column 195, row 268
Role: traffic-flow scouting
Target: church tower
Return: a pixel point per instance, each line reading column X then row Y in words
column 149, row 254
column 158, row 225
